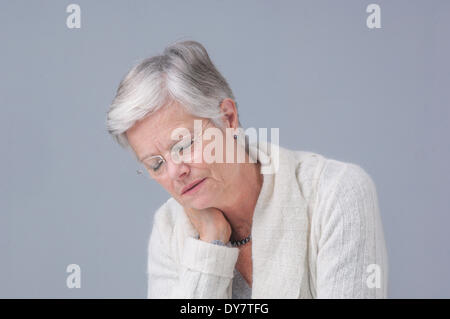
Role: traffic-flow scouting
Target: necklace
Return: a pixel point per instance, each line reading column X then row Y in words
column 237, row 243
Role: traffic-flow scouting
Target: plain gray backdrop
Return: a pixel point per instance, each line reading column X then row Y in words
column 375, row 97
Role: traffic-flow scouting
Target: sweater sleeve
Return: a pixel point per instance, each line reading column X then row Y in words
column 352, row 258
column 204, row 270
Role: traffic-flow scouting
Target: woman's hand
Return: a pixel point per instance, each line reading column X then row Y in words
column 210, row 223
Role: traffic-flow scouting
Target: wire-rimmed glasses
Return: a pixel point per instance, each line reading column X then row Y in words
column 183, row 151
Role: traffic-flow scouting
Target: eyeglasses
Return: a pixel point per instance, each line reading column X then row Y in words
column 182, row 151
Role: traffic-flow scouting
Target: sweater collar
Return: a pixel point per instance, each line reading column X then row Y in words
column 279, row 227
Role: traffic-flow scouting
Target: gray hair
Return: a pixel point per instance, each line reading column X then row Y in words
column 184, row 74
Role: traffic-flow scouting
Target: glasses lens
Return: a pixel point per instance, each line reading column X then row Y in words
column 152, row 167
column 183, row 151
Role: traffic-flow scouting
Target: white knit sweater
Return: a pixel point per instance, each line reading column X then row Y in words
column 316, row 233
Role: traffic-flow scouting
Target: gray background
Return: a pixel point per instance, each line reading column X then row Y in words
column 378, row 98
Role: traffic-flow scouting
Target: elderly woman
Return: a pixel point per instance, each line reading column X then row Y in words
column 277, row 224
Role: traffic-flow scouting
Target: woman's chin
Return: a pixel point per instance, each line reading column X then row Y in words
column 201, row 203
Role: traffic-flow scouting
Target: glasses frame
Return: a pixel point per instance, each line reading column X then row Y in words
column 164, row 161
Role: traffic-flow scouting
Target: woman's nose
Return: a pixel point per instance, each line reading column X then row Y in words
column 177, row 170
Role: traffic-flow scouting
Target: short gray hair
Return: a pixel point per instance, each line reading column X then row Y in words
column 184, row 74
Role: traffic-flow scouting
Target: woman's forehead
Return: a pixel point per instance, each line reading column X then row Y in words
column 165, row 119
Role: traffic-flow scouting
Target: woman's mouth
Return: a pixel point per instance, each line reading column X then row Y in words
column 193, row 187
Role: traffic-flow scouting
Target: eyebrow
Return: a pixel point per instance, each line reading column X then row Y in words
column 171, row 145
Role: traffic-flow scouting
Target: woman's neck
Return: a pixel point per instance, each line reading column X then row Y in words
column 241, row 203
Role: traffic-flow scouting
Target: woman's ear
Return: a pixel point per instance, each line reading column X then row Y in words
column 230, row 114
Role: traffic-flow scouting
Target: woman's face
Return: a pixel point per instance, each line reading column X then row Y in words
column 152, row 136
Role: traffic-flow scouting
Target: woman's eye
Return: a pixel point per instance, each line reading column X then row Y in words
column 186, row 146
column 156, row 166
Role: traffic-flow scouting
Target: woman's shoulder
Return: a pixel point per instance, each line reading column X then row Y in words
column 314, row 166
column 339, row 174
column 318, row 173
column 338, row 184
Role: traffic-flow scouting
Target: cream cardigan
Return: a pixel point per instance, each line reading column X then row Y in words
column 316, row 233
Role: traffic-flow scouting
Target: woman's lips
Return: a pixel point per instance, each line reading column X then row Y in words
column 193, row 187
